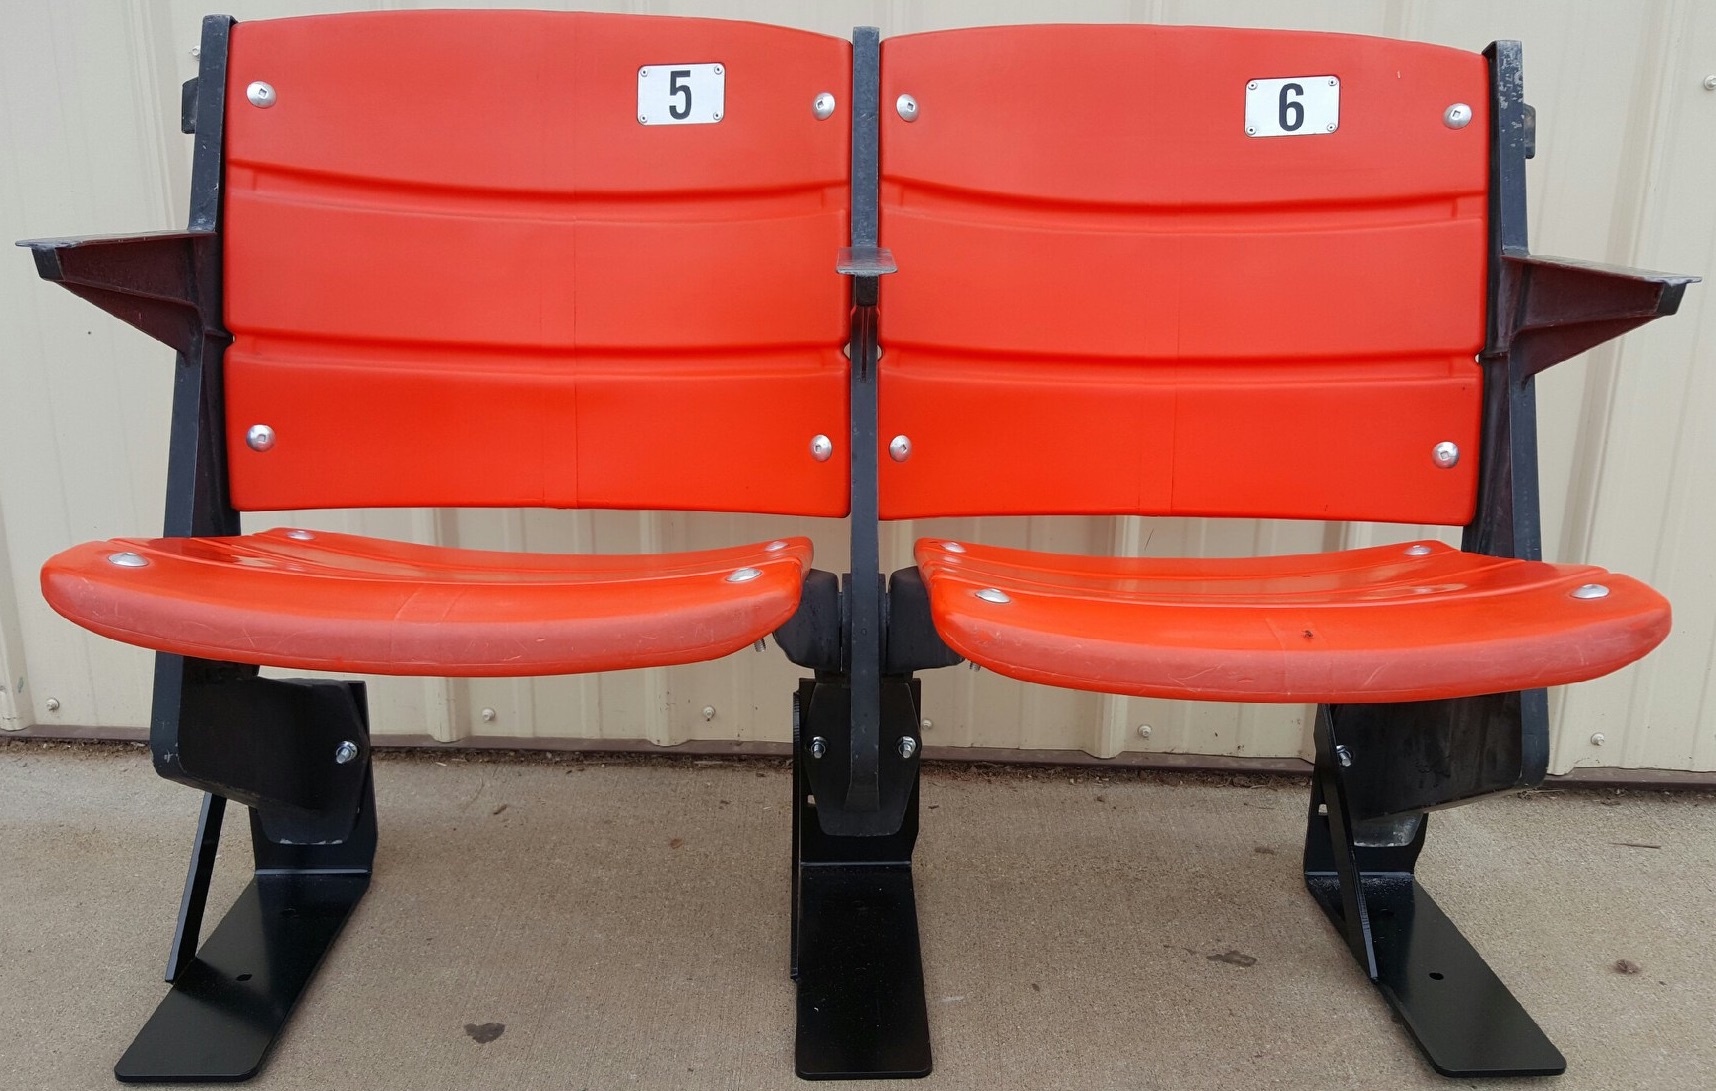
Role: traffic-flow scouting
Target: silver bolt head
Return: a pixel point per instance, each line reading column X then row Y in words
column 744, row 575
column 774, row 547
column 823, row 106
column 821, row 448
column 925, row 725
column 908, row 746
column 900, row 448
column 259, row 438
column 818, row 747
column 1710, row 83
column 1418, row 550
column 991, row 594
column 1590, row 591
column 907, row 107
column 717, row 70
column 1144, row 731
column 488, row 715
column 1252, row 86
column 1344, row 756
column 1599, row 739
column 953, row 547
column 300, row 535
column 53, row 704
column 708, row 712
column 345, row 752
column 1446, row 454
column 260, row 95
column 127, row 560
column 1457, row 116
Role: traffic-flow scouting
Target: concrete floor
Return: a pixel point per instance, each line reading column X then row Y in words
column 628, row 925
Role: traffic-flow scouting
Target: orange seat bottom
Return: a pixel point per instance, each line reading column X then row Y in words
column 338, row 602
column 1391, row 623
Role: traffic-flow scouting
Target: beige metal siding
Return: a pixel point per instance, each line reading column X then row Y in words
column 89, row 97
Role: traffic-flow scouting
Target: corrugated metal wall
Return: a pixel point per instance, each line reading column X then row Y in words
column 1626, row 158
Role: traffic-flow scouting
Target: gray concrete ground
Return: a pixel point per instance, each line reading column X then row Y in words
column 628, row 924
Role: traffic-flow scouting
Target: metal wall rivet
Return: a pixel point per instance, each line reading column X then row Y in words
column 1344, row 756
column 907, row 106
column 300, row 535
column 260, row 94
column 1252, row 86
column 743, row 575
column 908, row 746
column 345, row 752
column 1710, row 83
column 925, row 725
column 900, row 448
column 718, row 70
column 126, row 560
column 1418, row 550
column 953, row 547
column 1590, row 591
column 1144, row 731
column 716, row 115
column 823, row 107
column 1329, row 128
column 52, row 704
column 259, row 438
column 991, row 594
column 818, row 746
column 1599, row 739
column 642, row 120
column 1334, row 83
column 821, row 447
column 1447, row 455
column 1250, row 131
column 708, row 712
column 1457, row 116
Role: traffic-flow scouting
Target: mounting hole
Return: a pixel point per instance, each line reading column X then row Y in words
column 243, row 977
column 1435, row 975
column 289, row 912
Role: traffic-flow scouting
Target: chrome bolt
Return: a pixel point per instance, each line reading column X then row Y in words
column 823, row 107
column 774, row 547
column 1418, row 550
column 1447, row 455
column 1144, row 731
column 1344, row 756
column 345, row 752
column 259, row 438
column 1710, row 83
column 908, row 746
column 1457, row 116
column 900, row 448
column 907, row 106
column 744, row 575
column 761, row 645
column 300, row 535
column 52, row 704
column 990, row 594
column 818, row 747
column 260, row 95
column 953, row 547
column 488, row 715
column 126, row 560
column 1250, row 131
column 708, row 712
column 821, row 447
column 1590, row 591
column 1599, row 739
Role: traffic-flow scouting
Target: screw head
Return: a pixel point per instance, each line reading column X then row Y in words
column 991, row 594
column 300, row 535
column 823, row 106
column 259, row 438
column 1418, row 550
column 774, row 547
column 907, row 106
column 818, row 746
column 716, row 115
column 1599, row 739
column 900, row 448
column 1250, row 130
column 127, row 560
column 260, row 94
column 743, row 575
column 717, row 70
column 1590, row 591
column 488, row 715
column 1344, row 756
column 821, row 447
column 1457, row 116
column 345, row 752
column 52, row 704
column 708, row 712
column 1446, row 454
column 1329, row 128
column 1252, row 86
column 925, row 725
column 908, row 746
column 1144, row 731
column 953, row 547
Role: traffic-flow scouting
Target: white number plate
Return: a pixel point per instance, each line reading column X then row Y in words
column 1294, row 106
column 681, row 94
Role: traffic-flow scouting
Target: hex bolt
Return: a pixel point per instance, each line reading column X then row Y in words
column 53, row 704
column 345, row 752
column 1344, row 756
column 1144, row 731
column 708, row 712
column 488, row 715
column 1599, row 739
column 818, row 746
column 908, row 746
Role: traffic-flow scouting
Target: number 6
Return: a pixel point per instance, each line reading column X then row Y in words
column 1293, row 110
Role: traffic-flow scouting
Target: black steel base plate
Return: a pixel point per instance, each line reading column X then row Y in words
column 1464, row 1019
column 861, row 1012
column 226, row 1007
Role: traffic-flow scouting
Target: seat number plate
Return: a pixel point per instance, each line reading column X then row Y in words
column 1293, row 106
column 681, row 94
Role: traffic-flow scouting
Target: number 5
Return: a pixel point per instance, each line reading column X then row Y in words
column 1293, row 110
column 674, row 87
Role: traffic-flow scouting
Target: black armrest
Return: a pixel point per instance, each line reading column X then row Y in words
column 152, row 280
column 1556, row 308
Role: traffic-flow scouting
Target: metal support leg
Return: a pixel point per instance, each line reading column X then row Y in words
column 861, row 1011
column 1464, row 1019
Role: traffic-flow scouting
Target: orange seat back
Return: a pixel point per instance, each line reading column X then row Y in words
column 1113, row 299
column 459, row 273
